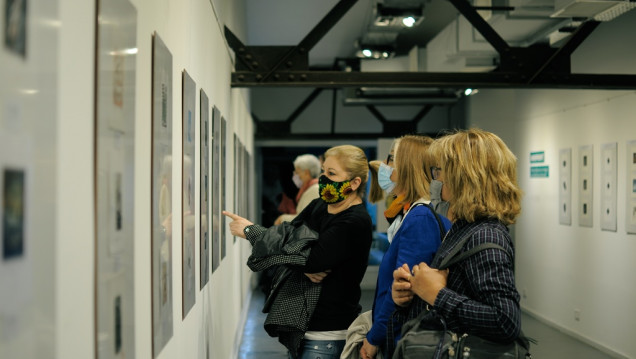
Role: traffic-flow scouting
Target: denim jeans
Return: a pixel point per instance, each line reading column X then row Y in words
column 321, row 349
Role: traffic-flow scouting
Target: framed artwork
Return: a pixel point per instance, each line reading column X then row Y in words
column 204, row 190
column 586, row 185
column 15, row 26
column 237, row 177
column 630, row 169
column 13, row 216
column 114, row 183
column 16, row 246
column 565, row 186
column 161, row 207
column 216, row 188
column 187, row 191
column 224, row 146
column 608, row 186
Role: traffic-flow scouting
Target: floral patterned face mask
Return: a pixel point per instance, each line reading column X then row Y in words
column 333, row 192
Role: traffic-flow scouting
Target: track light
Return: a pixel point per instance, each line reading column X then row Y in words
column 397, row 17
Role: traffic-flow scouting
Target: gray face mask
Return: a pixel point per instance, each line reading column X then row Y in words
column 440, row 206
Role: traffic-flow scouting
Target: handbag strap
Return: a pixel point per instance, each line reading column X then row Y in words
column 454, row 256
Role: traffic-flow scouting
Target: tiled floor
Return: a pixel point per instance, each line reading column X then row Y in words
column 553, row 344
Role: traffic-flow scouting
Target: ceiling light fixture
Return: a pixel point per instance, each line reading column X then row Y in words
column 397, row 17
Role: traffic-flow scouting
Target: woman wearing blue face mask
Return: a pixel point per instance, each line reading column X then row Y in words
column 415, row 236
column 327, row 270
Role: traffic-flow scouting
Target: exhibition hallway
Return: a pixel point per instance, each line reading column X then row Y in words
column 552, row 344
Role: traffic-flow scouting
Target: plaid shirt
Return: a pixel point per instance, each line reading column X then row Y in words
column 480, row 297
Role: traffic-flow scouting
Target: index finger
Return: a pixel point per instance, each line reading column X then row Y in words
column 231, row 215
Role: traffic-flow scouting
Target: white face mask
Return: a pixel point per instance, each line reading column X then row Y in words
column 297, row 181
column 384, row 177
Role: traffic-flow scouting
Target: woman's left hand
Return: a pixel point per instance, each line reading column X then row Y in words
column 368, row 350
column 238, row 224
column 427, row 282
column 317, row 277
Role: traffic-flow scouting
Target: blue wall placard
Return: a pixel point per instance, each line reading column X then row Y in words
column 537, row 157
column 540, row 171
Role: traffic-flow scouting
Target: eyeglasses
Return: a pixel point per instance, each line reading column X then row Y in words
column 435, row 172
column 389, row 158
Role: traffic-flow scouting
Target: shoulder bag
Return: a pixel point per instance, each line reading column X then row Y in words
column 420, row 341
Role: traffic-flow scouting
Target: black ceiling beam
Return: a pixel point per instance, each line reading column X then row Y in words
column 336, row 79
column 312, row 96
column 469, row 12
column 394, row 128
column 274, row 58
column 564, row 52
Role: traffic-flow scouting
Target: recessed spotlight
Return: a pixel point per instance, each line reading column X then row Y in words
column 408, row 21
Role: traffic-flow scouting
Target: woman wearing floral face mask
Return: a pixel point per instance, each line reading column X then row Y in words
column 334, row 262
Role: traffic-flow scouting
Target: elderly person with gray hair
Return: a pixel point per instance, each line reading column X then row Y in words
column 306, row 172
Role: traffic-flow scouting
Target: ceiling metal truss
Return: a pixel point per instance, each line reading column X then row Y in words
column 536, row 66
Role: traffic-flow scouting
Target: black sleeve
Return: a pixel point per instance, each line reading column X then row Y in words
column 336, row 244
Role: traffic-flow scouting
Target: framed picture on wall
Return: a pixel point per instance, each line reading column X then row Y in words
column 188, row 278
column 608, row 186
column 223, row 174
column 204, row 189
column 565, row 186
column 115, row 89
column 216, row 188
column 15, row 26
column 586, row 185
column 237, row 176
column 630, row 169
column 161, row 187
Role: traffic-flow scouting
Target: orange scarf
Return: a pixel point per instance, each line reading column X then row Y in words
column 304, row 188
column 396, row 207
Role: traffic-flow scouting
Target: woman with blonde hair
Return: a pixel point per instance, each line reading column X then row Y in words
column 321, row 257
column 415, row 238
column 476, row 295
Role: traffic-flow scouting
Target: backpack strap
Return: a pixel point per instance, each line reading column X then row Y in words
column 454, row 256
column 442, row 232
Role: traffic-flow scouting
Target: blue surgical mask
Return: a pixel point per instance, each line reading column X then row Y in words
column 384, row 177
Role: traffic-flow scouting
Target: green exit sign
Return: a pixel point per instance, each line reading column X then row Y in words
column 540, row 171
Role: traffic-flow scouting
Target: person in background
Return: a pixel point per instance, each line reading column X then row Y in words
column 334, row 265
column 306, row 172
column 476, row 295
column 417, row 235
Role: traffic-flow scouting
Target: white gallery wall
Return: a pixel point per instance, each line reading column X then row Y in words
column 579, row 279
column 47, row 116
column 29, row 104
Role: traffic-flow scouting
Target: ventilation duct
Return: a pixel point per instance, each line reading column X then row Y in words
column 599, row 10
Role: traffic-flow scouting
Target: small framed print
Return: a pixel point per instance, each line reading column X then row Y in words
column 586, row 189
column 13, row 212
column 216, row 189
column 630, row 169
column 161, row 187
column 224, row 166
column 565, row 186
column 188, row 205
column 204, row 190
column 15, row 26
column 608, row 186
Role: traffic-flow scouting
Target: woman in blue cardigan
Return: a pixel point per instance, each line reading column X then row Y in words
column 416, row 239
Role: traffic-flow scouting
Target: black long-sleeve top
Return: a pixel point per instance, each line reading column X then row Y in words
column 343, row 244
